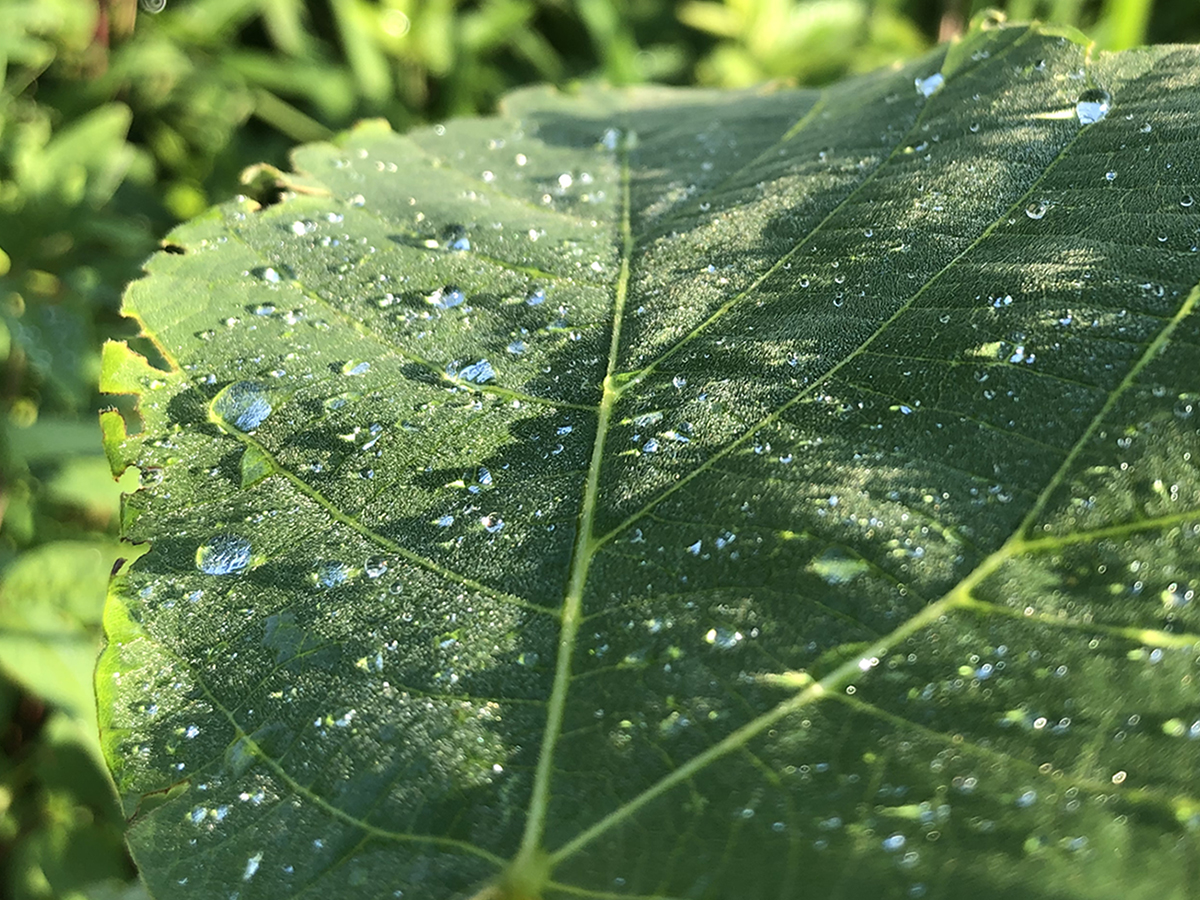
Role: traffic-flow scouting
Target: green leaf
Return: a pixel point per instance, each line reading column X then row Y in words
column 682, row 494
column 50, row 602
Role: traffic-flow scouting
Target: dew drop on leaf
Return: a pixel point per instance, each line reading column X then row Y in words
column 456, row 238
column 927, row 86
column 1037, row 210
column 1092, row 105
column 331, row 574
column 243, row 405
column 252, row 865
column 447, row 297
column 478, row 373
column 223, row 554
column 723, row 638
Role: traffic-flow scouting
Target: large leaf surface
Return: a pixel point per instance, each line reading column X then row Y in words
column 685, row 495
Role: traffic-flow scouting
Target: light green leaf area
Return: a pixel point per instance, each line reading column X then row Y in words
column 681, row 494
column 50, row 602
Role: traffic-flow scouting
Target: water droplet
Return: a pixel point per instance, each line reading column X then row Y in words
column 444, row 521
column 337, row 401
column 516, row 348
column 270, row 275
column 894, row 842
column 252, row 866
column 651, row 446
column 243, row 404
column 330, row 574
column 1186, row 201
column 1092, row 105
column 1110, row 175
column 455, row 238
column 927, row 86
column 223, row 554
column 447, row 297
column 679, row 381
column 354, row 367
column 492, row 523
column 536, row 297
column 478, row 373
column 723, row 638
column 1038, row 209
column 1027, row 799
column 375, row 566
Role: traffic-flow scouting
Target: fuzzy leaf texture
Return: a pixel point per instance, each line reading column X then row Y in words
column 681, row 494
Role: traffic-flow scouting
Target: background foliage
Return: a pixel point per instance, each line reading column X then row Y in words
column 115, row 124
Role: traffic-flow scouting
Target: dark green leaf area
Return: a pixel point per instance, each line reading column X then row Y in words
column 675, row 494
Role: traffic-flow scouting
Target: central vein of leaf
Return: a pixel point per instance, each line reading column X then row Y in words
column 530, row 870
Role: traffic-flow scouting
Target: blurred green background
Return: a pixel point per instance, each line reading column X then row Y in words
column 115, row 124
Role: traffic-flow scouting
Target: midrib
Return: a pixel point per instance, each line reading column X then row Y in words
column 529, row 866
